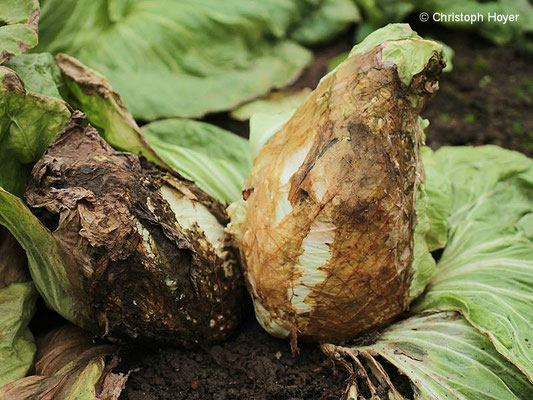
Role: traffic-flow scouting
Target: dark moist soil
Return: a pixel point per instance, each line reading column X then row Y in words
column 252, row 365
column 486, row 99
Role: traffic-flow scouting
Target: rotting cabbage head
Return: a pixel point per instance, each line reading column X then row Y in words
column 145, row 253
column 328, row 215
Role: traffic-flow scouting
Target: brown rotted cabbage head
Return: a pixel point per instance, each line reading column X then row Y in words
column 146, row 248
column 328, row 215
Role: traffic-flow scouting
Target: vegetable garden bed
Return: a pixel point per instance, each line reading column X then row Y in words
column 247, row 366
column 383, row 254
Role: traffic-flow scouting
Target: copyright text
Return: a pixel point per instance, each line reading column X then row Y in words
column 470, row 18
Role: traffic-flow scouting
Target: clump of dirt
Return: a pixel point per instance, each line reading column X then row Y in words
column 251, row 365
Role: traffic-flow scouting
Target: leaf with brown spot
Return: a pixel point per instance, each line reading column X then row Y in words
column 18, row 27
column 28, row 124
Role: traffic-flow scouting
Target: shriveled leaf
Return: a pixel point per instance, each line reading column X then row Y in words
column 328, row 19
column 18, row 27
column 69, row 366
column 444, row 357
column 46, row 263
column 180, row 58
column 38, row 72
column 129, row 236
column 28, row 123
column 273, row 103
column 17, row 305
column 449, row 54
column 92, row 93
column 215, row 159
column 486, row 270
column 218, row 161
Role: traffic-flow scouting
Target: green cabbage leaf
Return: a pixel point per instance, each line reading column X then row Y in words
column 48, row 266
column 39, row 73
column 327, row 20
column 17, row 305
column 443, row 357
column 18, row 27
column 218, row 161
column 180, row 58
column 29, row 121
column 486, row 269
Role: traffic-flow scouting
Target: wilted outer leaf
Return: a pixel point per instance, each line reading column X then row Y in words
column 39, row 73
column 90, row 92
column 69, row 366
column 17, row 305
column 179, row 58
column 328, row 238
column 215, row 159
column 446, row 358
column 486, row 270
column 45, row 260
column 28, row 123
column 18, row 27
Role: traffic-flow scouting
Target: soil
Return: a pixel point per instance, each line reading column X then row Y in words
column 487, row 98
column 251, row 365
